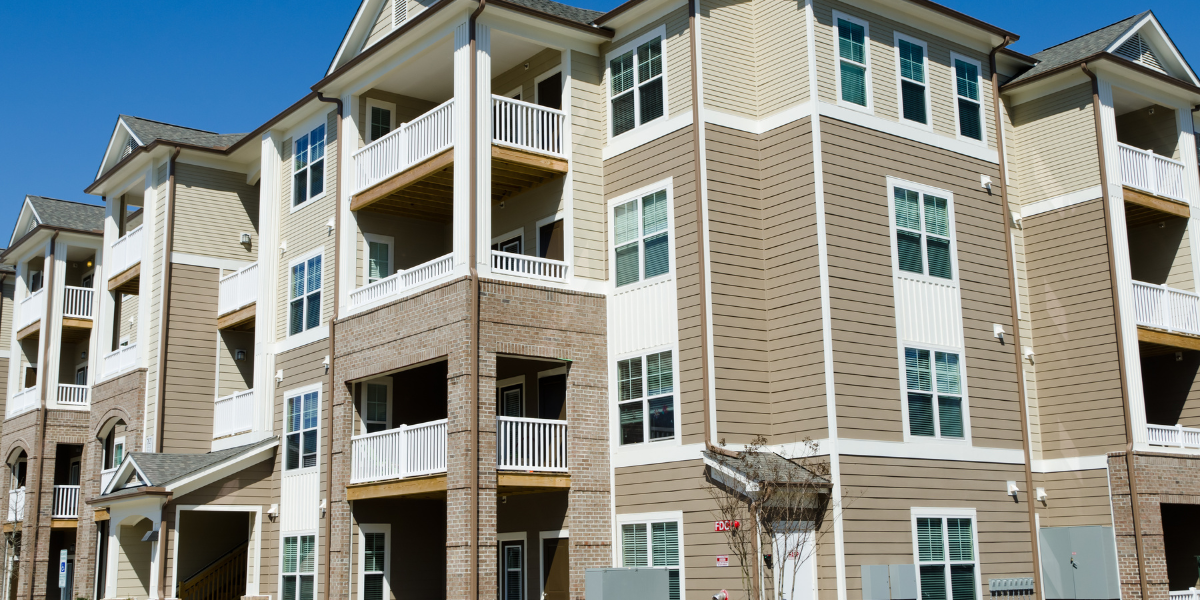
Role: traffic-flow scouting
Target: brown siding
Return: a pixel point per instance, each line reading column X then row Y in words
column 215, row 208
column 1074, row 498
column 1055, row 150
column 191, row 368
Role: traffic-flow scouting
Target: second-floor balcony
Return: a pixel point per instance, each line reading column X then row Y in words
column 1173, row 436
column 1169, row 309
column 78, row 302
column 23, row 402
column 66, row 502
column 31, row 309
column 70, row 394
column 233, row 414
column 237, row 297
column 401, row 281
column 1153, row 173
column 120, row 360
column 123, row 256
column 16, row 504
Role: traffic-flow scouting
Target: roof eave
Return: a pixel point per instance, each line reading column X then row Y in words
column 1141, row 70
column 33, row 232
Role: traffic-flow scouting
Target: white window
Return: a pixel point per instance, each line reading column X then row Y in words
column 380, row 118
column 380, row 254
column 654, row 542
column 853, row 61
column 510, row 397
column 641, row 237
column 374, row 556
column 645, row 398
column 299, row 567
column 912, row 69
column 934, row 393
column 923, row 222
column 968, row 103
column 308, row 170
column 377, row 397
column 637, row 83
column 512, row 570
column 301, row 425
column 945, row 551
column 304, row 299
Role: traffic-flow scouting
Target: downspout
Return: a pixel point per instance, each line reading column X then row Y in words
column 697, row 144
column 337, row 232
column 41, row 429
column 1013, row 306
column 473, row 416
column 168, row 243
column 1112, row 275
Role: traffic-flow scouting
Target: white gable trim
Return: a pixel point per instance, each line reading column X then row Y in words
column 1176, row 60
column 122, row 475
column 353, row 33
column 222, row 469
column 113, row 146
column 22, row 224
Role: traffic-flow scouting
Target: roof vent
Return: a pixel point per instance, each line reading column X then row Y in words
column 1139, row 51
column 130, row 145
column 399, row 12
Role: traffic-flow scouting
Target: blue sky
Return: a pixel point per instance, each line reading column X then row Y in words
column 229, row 65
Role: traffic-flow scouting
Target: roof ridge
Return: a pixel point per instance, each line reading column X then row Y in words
column 67, row 201
column 1097, row 30
column 173, row 125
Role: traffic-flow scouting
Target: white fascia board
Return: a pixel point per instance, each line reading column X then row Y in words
column 353, row 32
column 1151, row 21
column 1121, row 73
column 112, row 145
column 425, row 35
column 222, row 469
column 123, row 470
column 545, row 32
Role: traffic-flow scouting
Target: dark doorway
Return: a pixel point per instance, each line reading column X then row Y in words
column 549, row 91
column 556, row 569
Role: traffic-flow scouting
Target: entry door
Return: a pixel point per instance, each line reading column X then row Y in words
column 81, row 375
column 556, row 569
column 549, row 92
column 552, row 397
column 550, row 240
column 796, row 581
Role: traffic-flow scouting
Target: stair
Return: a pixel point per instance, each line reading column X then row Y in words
column 224, row 579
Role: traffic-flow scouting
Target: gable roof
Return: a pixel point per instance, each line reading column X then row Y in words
column 582, row 16
column 161, row 470
column 67, row 214
column 147, row 131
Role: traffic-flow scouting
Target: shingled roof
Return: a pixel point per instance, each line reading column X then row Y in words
column 558, row 9
column 148, row 131
column 66, row 214
column 162, row 469
column 1079, row 48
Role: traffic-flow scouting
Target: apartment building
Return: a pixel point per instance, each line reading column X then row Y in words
column 476, row 314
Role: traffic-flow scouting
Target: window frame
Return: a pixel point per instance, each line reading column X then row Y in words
column 637, row 196
column 511, row 382
column 924, row 276
column 306, row 131
column 558, row 69
column 537, row 233
column 648, row 519
column 507, row 538
column 321, row 291
column 928, row 124
column 983, row 137
column 376, row 103
column 363, row 420
column 288, row 395
column 963, row 395
column 368, row 239
column 632, row 45
column 837, row 63
column 283, row 537
column 363, row 530
column 944, row 513
column 645, row 399
column 561, row 534
column 516, row 233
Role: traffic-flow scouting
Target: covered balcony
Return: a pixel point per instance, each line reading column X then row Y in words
column 1153, row 177
column 124, row 257
column 67, row 465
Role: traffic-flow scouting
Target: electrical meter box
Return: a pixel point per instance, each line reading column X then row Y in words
column 632, row 583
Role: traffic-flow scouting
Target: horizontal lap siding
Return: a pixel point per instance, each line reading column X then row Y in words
column 587, row 168
column 781, row 60
column 215, row 208
column 382, row 25
column 1074, row 498
column 728, row 46
column 677, row 50
column 856, row 162
column 191, row 368
column 1080, row 403
column 6, row 309
column 523, row 77
column 1055, row 145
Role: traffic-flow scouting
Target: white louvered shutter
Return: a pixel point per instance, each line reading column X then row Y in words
column 1139, row 51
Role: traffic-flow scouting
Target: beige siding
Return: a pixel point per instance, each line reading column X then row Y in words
column 382, row 25
column 1157, row 132
column 523, row 78
column 1074, row 498
column 1055, row 142
column 191, row 368
column 3, row 383
column 156, row 263
column 1078, row 386
column 7, row 307
column 587, row 169
column 677, row 48
column 728, row 46
column 781, row 61
column 133, row 561
column 1172, row 388
column 1161, row 253
column 215, row 208
column 234, row 375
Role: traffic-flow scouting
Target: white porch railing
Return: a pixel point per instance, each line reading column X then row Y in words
column 106, row 476
column 407, row 451
column 531, row 444
column 32, row 309
column 529, row 266
column 402, row 281
column 125, row 252
column 22, row 402
column 233, row 414
column 1150, row 172
column 1166, row 308
column 405, row 146
column 77, row 302
column 1176, row 436
column 527, row 126
column 1188, row 594
column 16, row 504
column 66, row 502
column 238, row 289
column 75, row 395
column 121, row 359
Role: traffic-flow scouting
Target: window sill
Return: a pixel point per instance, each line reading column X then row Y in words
column 868, row 109
column 306, row 203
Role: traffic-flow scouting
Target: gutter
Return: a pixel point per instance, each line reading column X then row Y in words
column 32, row 232
column 1083, row 62
column 42, row 416
column 1018, row 354
column 473, row 580
column 1130, row 461
column 168, row 244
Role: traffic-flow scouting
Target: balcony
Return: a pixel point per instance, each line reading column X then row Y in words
column 524, row 444
column 401, row 282
column 1167, row 316
column 233, row 414
column 1189, row 594
column 1173, row 436
column 1152, row 173
column 77, row 302
column 66, row 502
column 118, row 361
column 529, row 266
column 237, row 297
column 16, row 505
column 73, row 395
column 30, row 310
column 125, row 258
column 22, row 402
column 407, row 451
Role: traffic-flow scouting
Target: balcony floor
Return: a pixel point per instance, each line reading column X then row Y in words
column 430, row 486
column 1155, row 342
column 1142, row 208
column 241, row 319
column 126, row 281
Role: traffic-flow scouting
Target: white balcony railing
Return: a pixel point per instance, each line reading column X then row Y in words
column 125, row 252
column 529, row 266
column 1175, row 436
column 402, row 281
column 1166, row 308
column 119, row 360
column 1150, row 172
column 77, row 302
column 74, row 395
column 22, row 402
column 16, row 504
column 407, row 451
column 233, row 414
column 238, row 289
column 31, row 309
column 1188, row 594
column 405, row 146
column 527, row 126
column 66, row 502
column 531, row 444
column 106, row 476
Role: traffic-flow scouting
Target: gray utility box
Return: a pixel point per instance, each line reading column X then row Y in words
column 626, row 584
column 1079, row 563
column 889, row 582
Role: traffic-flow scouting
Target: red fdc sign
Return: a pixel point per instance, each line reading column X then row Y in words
column 726, row 525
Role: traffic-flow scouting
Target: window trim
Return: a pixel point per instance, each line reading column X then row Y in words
column 519, row 380
column 837, row 63
column 363, row 530
column 892, row 184
column 287, row 395
column 305, row 130
column 385, row 381
column 616, row 399
column 537, row 232
column 668, row 186
column 928, row 125
column 501, row 539
column 657, row 517
column 964, row 395
column 376, row 103
column 288, row 299
column 946, row 513
column 368, row 239
column 983, row 136
column 661, row 32
column 283, row 536
column 516, row 233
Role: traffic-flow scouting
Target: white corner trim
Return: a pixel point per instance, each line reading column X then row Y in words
column 1042, row 206
column 1071, row 463
column 758, row 126
column 643, row 135
column 973, row 149
column 196, row 260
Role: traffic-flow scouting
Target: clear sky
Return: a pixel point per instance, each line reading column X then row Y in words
column 229, row 65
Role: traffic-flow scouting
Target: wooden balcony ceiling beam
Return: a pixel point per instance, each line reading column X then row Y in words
column 1142, row 208
column 433, row 486
column 442, row 161
column 1153, row 342
column 64, row 523
column 127, row 281
column 76, row 330
column 33, row 330
column 517, row 171
column 513, row 483
column 241, row 319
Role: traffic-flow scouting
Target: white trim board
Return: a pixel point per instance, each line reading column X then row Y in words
column 642, row 135
column 1071, row 463
column 653, row 454
column 197, row 260
column 1049, row 204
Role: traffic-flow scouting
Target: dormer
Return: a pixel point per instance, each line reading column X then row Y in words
column 1147, row 44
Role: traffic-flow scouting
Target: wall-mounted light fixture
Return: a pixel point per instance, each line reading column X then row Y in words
column 1041, row 494
column 246, row 239
column 998, row 331
column 239, row 355
column 1012, row 489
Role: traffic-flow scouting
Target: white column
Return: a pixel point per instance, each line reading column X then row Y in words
column 53, row 328
column 568, row 105
column 483, row 131
column 462, row 156
column 112, row 557
column 266, row 307
column 96, row 348
column 1191, row 183
column 156, row 555
column 20, row 290
column 104, row 320
column 348, row 236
